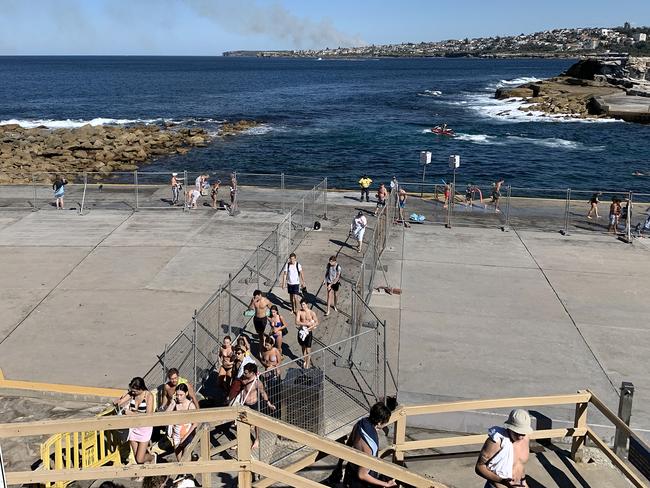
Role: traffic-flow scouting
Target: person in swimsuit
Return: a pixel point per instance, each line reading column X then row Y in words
column 593, row 205
column 270, row 356
column 241, row 360
column 214, row 192
column 365, row 438
column 261, row 305
column 177, row 186
column 306, row 322
column 401, row 199
column 382, row 193
column 278, row 326
column 496, row 193
column 446, row 195
column 181, row 434
column 136, row 401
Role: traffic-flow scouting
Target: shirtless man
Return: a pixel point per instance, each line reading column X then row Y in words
column 382, row 193
column 504, row 444
column 253, row 394
column 306, row 322
column 262, row 307
column 169, row 389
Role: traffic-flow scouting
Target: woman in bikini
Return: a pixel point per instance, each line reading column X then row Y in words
column 136, row 401
column 226, row 363
column 181, row 434
column 278, row 326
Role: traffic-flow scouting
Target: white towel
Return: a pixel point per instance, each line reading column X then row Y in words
column 502, row 462
column 303, row 333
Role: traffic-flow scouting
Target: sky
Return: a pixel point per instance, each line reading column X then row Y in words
column 209, row 27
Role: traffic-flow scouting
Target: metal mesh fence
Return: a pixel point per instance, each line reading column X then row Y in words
column 343, row 381
column 192, row 352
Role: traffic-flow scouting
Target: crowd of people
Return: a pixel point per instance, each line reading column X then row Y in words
column 202, row 186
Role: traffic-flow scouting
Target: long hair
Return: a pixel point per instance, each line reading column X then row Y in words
column 183, row 387
column 137, row 383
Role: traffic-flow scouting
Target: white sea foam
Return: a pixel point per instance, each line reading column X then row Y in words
column 508, row 110
column 482, row 139
column 98, row 121
column 430, row 93
column 552, row 143
column 518, row 81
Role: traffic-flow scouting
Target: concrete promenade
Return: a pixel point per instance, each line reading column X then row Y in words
column 484, row 313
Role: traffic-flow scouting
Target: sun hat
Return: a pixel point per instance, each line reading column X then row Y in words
column 174, row 174
column 519, row 422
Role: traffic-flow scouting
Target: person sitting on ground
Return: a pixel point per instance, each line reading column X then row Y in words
column 169, row 389
column 365, row 438
column 503, row 457
column 262, row 306
column 306, row 322
column 278, row 326
column 181, row 434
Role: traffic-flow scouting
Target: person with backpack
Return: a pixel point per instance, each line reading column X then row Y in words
column 332, row 281
column 294, row 279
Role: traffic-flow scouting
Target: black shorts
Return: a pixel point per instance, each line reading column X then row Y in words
column 307, row 341
column 335, row 286
column 293, row 289
column 260, row 324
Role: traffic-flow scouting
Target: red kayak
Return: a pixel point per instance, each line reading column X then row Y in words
column 443, row 132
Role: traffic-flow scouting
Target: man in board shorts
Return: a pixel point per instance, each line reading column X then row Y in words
column 262, row 307
column 293, row 278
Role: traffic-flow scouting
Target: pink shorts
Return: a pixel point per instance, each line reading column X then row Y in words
column 140, row 434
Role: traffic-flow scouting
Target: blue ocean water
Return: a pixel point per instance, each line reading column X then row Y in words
column 338, row 118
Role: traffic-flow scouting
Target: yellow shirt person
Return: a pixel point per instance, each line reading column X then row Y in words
column 365, row 183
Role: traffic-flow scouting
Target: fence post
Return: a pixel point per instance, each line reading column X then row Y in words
column 194, row 347
column 230, row 304
column 450, row 204
column 185, row 183
column 83, row 197
column 34, row 188
column 135, row 184
column 164, row 368
column 628, row 219
column 277, row 250
column 579, row 423
column 624, row 413
column 567, row 208
column 244, row 477
column 206, row 478
column 302, row 222
column 282, row 190
column 399, row 437
column 507, row 226
column 385, row 366
column 325, row 200
column 257, row 266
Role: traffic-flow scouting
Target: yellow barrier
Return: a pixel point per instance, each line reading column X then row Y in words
column 80, row 450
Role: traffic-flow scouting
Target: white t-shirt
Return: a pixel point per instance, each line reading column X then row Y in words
column 293, row 273
column 198, row 183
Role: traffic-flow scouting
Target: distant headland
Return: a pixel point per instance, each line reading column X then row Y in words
column 556, row 43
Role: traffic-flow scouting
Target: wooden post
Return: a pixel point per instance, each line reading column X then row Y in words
column 206, row 478
column 245, row 477
column 579, row 423
column 399, row 437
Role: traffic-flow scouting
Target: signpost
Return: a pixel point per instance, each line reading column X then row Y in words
column 425, row 158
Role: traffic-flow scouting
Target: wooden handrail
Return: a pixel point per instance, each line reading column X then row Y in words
column 617, row 461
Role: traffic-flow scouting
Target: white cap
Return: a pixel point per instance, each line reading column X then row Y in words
column 174, row 174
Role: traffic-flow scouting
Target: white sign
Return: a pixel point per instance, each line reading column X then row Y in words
column 3, row 479
column 454, row 161
column 425, row 157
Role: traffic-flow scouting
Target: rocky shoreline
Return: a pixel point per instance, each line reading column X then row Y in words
column 100, row 150
column 590, row 89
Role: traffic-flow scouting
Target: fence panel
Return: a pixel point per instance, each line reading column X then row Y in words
column 640, row 223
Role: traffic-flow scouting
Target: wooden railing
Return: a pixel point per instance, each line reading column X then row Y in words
column 578, row 433
column 245, row 464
